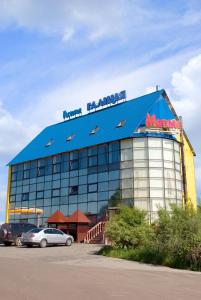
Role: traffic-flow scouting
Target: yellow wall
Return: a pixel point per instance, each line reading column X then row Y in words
column 8, row 195
column 190, row 174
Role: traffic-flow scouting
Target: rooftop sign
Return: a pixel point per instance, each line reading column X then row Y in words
column 152, row 122
column 112, row 99
column 73, row 113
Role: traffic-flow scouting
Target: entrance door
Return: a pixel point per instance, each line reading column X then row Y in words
column 73, row 230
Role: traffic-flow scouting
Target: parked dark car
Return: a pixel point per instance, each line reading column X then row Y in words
column 12, row 232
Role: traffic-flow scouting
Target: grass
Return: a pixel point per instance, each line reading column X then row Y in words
column 147, row 256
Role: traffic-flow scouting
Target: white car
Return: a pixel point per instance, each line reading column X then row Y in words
column 46, row 236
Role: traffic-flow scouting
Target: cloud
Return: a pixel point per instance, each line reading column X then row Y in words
column 13, row 135
column 97, row 19
column 186, row 94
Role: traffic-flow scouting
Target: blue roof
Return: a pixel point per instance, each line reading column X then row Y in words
column 133, row 111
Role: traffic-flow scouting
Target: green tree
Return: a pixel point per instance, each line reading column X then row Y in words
column 128, row 228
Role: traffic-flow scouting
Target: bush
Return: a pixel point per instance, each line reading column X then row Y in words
column 128, row 229
column 173, row 240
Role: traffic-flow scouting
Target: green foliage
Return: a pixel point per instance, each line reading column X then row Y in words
column 128, row 228
column 173, row 240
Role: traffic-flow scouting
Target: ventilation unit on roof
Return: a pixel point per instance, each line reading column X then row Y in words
column 49, row 143
column 121, row 124
column 93, row 131
column 70, row 137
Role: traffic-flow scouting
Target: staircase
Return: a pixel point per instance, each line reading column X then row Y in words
column 95, row 235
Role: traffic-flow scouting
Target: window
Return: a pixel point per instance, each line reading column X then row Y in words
column 102, row 149
column 25, row 197
column 92, row 151
column 92, row 161
column 141, row 193
column 114, row 185
column 56, row 193
column 41, row 163
column 127, row 183
column 103, row 159
column 92, row 187
column 154, row 142
column 56, row 168
column 140, row 173
column 139, row 143
column 94, row 130
column 41, row 171
column 121, row 124
column 70, row 137
column 114, row 157
column 168, row 155
column 83, row 162
column 14, row 176
column 74, row 164
column 140, row 154
column 49, row 143
column 40, row 195
column 73, row 190
column 56, row 231
column 26, row 166
column 126, row 154
column 26, row 174
column 115, row 146
column 48, row 231
column 155, row 153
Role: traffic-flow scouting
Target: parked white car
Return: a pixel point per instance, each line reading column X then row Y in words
column 46, row 236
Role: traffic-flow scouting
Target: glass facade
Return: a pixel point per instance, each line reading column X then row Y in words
column 144, row 172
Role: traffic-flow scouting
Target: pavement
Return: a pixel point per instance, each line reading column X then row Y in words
column 76, row 272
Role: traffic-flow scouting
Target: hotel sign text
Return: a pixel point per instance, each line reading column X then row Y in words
column 112, row 99
column 152, row 122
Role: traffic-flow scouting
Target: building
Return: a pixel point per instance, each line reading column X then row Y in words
column 134, row 153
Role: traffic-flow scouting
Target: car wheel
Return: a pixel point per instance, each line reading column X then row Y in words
column 68, row 242
column 18, row 241
column 43, row 243
column 7, row 243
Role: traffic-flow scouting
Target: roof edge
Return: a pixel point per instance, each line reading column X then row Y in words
column 167, row 99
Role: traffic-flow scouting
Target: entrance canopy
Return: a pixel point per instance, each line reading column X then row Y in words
column 57, row 217
column 78, row 217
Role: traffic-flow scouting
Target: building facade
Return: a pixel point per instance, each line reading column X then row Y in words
column 103, row 159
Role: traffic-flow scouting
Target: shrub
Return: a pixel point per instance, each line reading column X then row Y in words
column 128, row 228
column 173, row 240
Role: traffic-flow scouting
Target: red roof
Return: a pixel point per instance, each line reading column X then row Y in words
column 57, row 217
column 78, row 217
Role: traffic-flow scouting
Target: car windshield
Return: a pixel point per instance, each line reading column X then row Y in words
column 36, row 230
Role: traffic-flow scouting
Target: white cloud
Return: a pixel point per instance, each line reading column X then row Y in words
column 13, row 134
column 186, row 92
column 98, row 18
column 75, row 93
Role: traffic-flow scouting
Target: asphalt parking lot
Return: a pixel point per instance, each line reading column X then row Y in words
column 77, row 273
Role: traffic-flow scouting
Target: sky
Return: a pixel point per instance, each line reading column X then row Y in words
column 58, row 55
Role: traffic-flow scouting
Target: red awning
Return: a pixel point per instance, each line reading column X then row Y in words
column 78, row 217
column 57, row 217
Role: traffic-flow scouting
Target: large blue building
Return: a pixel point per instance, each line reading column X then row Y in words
column 103, row 159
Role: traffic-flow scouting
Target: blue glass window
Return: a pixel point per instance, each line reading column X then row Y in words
column 92, row 187
column 56, row 193
column 92, row 161
column 25, row 197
